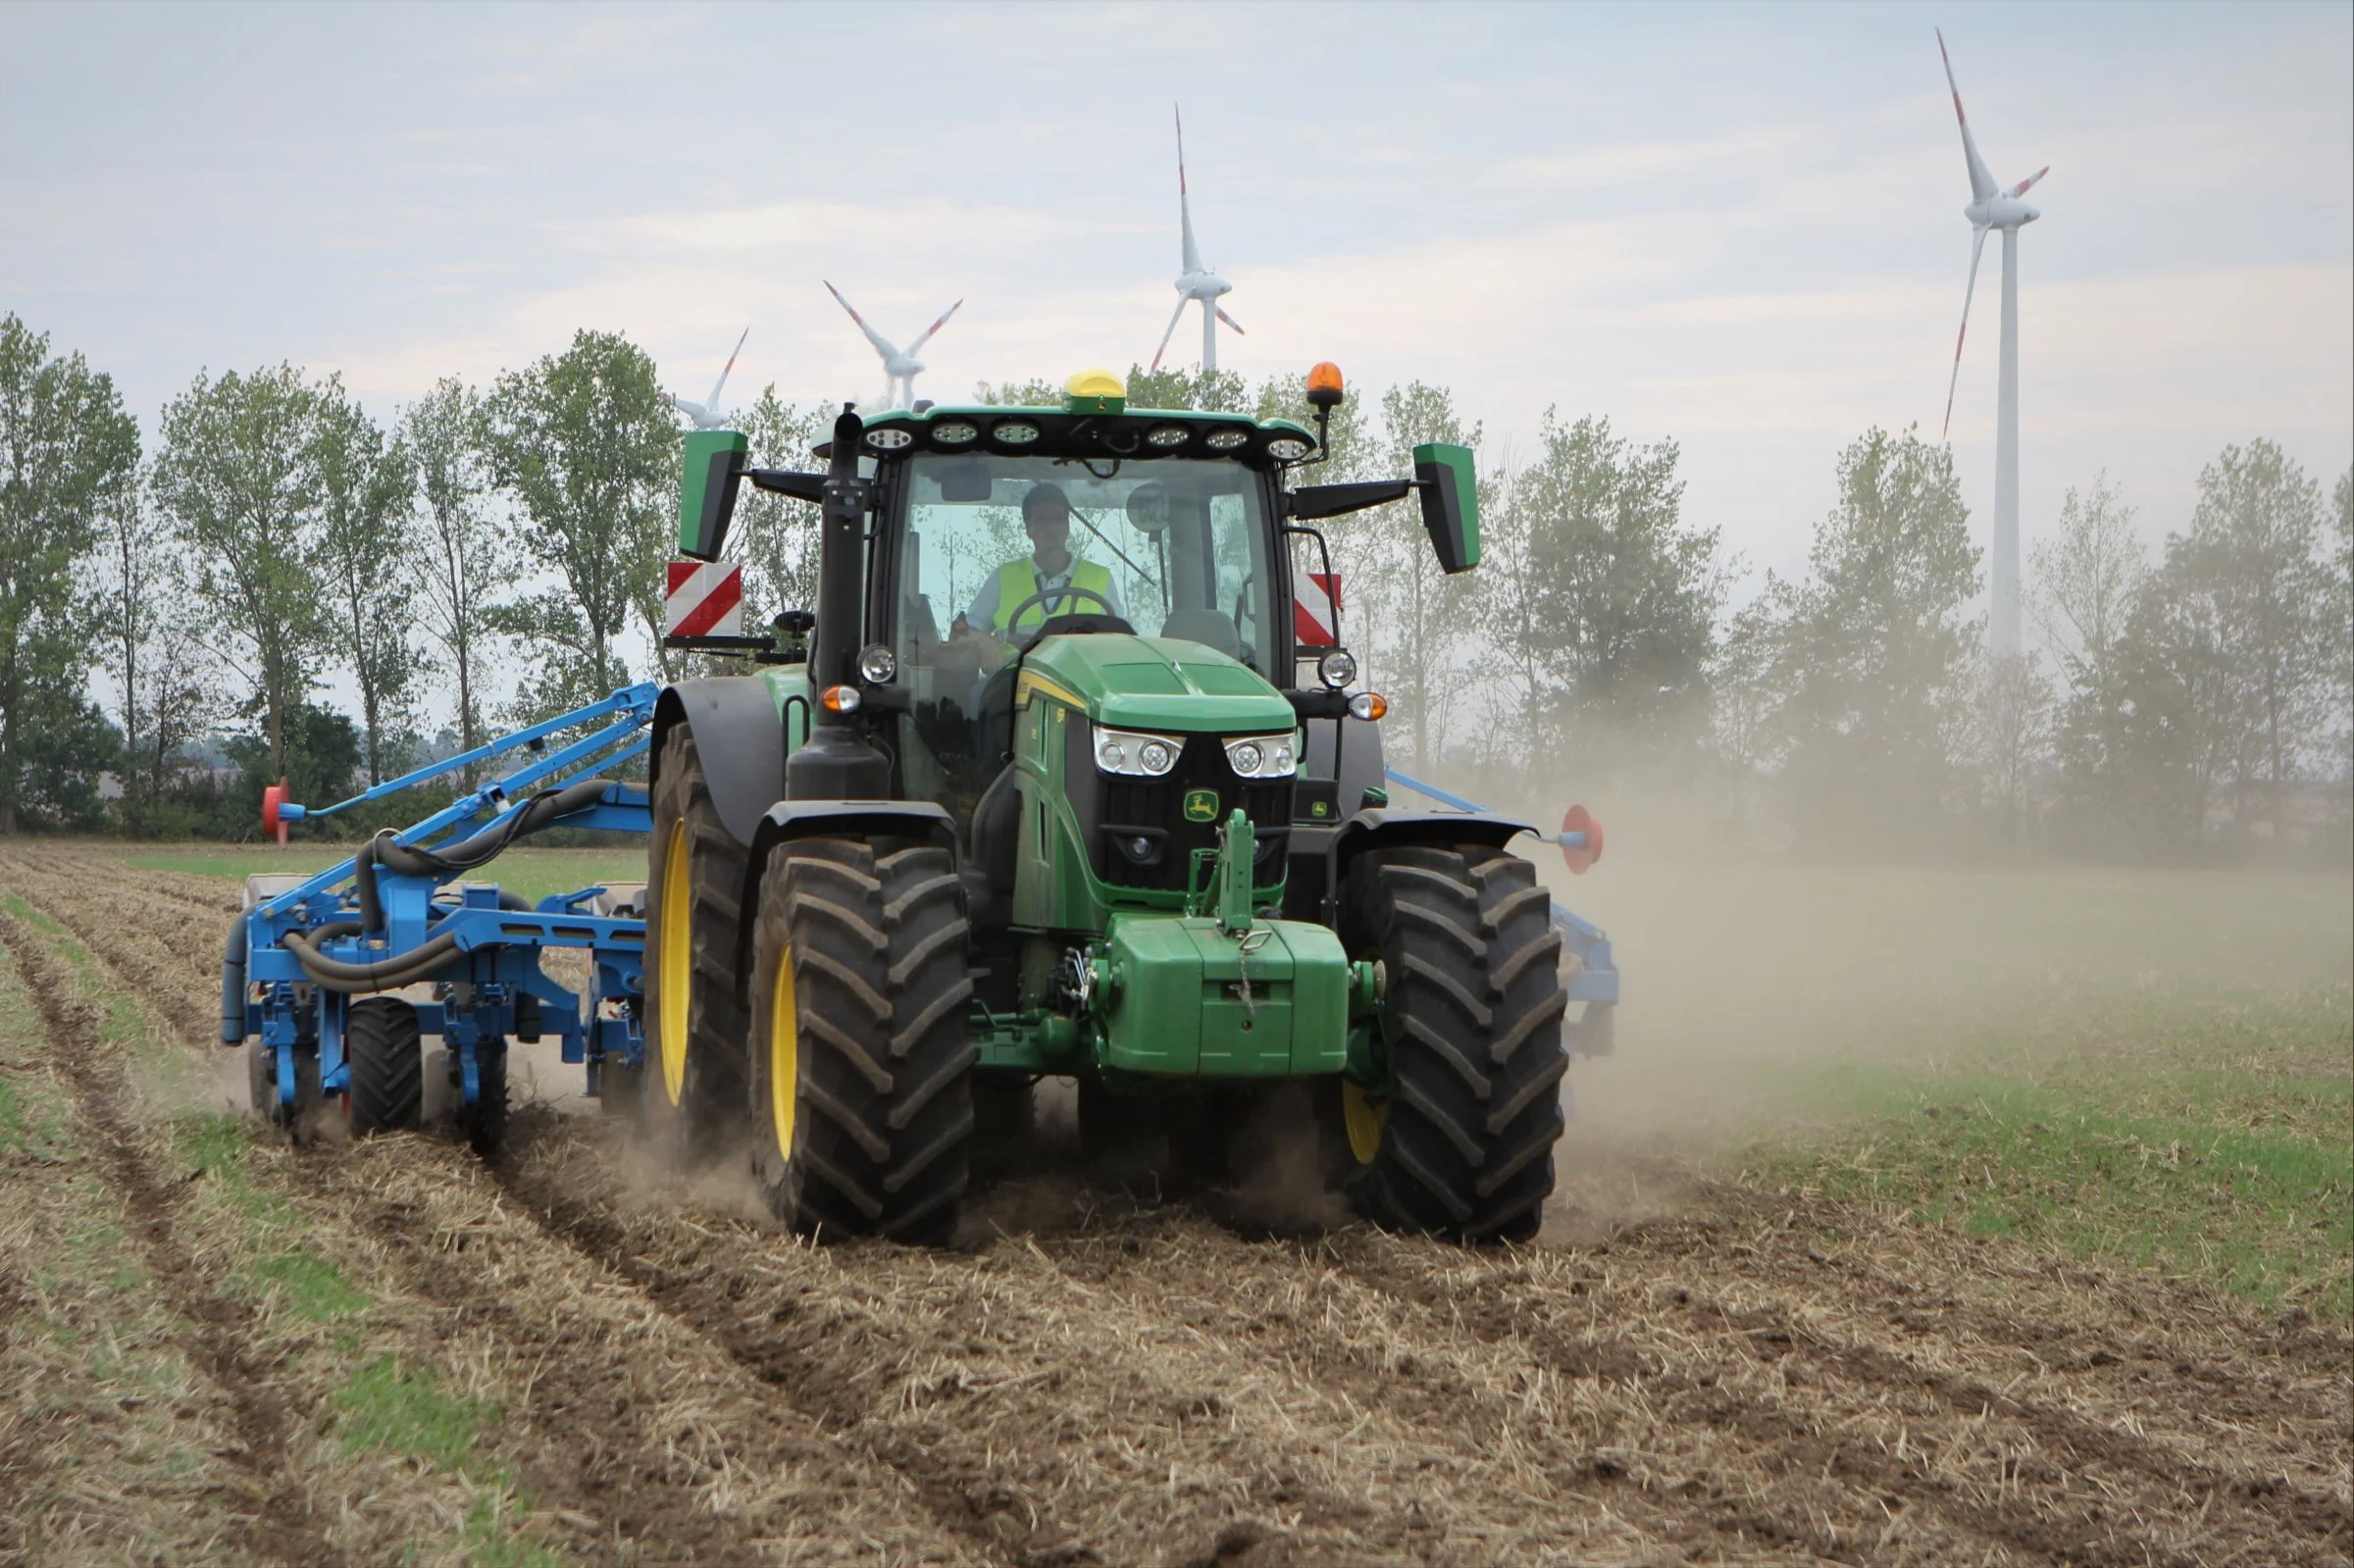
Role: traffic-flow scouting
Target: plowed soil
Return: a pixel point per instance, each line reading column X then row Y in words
column 1734, row 1375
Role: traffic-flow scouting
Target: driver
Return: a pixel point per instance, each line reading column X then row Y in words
column 1049, row 567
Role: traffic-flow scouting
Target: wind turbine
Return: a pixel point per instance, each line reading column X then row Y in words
column 1196, row 282
column 1993, row 206
column 706, row 415
column 899, row 369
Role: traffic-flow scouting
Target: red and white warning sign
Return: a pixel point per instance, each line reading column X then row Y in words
column 1316, row 609
column 704, row 599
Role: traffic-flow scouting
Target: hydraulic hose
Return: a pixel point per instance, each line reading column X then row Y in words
column 356, row 979
column 451, row 860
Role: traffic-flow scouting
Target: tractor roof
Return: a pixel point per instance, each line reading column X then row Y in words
column 1094, row 418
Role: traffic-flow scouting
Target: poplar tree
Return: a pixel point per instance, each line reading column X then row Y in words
column 586, row 444
column 1875, row 647
column 68, row 452
column 463, row 558
column 239, row 478
column 367, row 556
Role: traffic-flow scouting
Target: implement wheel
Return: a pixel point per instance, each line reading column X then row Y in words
column 861, row 1064
column 1458, row 1140
column 386, row 1058
column 694, row 1022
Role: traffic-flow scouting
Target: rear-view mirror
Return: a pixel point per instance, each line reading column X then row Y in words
column 1450, row 490
column 714, row 469
column 965, row 483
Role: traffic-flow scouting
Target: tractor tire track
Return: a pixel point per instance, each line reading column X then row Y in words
column 647, row 1462
column 1810, row 1401
column 1415, row 1353
column 289, row 1529
column 1150, row 1387
column 976, row 1502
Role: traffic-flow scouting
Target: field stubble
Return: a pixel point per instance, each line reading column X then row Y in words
column 1684, row 1369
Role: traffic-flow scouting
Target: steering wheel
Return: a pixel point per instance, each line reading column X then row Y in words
column 1040, row 597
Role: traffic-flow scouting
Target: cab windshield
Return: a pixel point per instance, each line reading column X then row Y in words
column 995, row 547
column 1175, row 548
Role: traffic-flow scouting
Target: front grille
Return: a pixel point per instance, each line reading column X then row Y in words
column 1153, row 810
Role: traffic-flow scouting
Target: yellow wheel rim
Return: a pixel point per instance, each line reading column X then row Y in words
column 1363, row 1119
column 784, row 1056
column 674, row 961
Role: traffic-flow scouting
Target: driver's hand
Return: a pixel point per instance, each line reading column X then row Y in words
column 993, row 655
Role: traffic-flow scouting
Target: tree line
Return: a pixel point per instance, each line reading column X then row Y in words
column 176, row 612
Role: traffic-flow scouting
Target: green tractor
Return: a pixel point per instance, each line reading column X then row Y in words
column 1048, row 787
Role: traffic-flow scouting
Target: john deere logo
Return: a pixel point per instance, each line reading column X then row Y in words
column 1319, row 808
column 1201, row 805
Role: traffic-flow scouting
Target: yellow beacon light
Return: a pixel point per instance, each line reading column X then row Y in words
column 1096, row 391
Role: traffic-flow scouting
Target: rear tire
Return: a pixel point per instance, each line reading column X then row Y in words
column 1458, row 1141
column 861, row 1061
column 693, row 1097
column 385, row 1056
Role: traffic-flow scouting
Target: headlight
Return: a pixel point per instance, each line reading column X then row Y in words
column 1137, row 755
column 1166, row 436
column 1015, row 432
column 955, row 433
column 1261, row 756
column 1288, row 449
column 877, row 664
column 1225, row 441
column 890, row 438
column 1337, row 669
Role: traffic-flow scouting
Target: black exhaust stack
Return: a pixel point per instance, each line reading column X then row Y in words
column 838, row 763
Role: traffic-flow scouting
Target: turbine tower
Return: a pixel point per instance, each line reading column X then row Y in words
column 706, row 413
column 900, row 366
column 1992, row 206
column 1194, row 281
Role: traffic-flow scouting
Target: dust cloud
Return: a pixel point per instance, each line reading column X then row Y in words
column 1744, row 973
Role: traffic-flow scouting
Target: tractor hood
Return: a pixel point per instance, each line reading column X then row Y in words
column 1162, row 683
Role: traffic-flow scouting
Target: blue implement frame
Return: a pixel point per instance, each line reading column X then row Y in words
column 1594, row 979
column 487, row 984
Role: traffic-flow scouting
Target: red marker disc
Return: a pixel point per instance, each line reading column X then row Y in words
column 1580, row 819
column 273, row 796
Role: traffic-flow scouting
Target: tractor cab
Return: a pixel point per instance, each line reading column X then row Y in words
column 1135, row 569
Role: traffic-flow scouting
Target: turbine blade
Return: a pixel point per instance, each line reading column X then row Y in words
column 1981, row 183
column 1228, row 319
column 1189, row 254
column 913, row 348
column 1978, row 248
column 1182, row 302
column 712, row 403
column 881, row 348
column 2026, row 184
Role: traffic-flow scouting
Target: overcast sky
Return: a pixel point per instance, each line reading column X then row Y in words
column 1738, row 225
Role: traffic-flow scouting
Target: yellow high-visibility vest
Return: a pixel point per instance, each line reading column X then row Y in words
column 1019, row 579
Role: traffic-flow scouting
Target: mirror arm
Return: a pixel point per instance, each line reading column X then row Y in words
column 1312, row 501
column 785, row 481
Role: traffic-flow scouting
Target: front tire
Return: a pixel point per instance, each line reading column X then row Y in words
column 861, row 1065
column 1458, row 1139
column 695, row 1025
